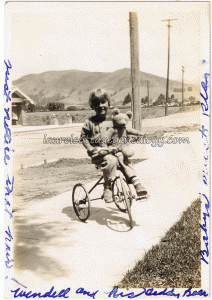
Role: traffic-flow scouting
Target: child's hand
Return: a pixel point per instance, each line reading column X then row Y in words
column 112, row 149
column 93, row 152
column 90, row 152
column 95, row 137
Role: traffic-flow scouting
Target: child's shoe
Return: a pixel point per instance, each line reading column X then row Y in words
column 107, row 194
column 140, row 190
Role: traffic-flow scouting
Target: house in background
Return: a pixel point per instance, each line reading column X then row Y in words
column 19, row 99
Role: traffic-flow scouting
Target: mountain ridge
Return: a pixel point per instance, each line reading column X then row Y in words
column 72, row 87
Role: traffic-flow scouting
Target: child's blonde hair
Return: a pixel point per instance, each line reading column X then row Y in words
column 98, row 95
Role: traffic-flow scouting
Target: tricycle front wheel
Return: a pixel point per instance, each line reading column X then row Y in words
column 81, row 202
column 122, row 196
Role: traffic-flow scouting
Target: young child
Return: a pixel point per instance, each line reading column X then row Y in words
column 96, row 126
column 119, row 136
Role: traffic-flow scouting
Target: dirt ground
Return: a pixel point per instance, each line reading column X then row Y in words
column 54, row 178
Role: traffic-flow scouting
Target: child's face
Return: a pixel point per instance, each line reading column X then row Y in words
column 101, row 107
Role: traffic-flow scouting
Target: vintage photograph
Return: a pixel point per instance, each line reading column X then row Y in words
column 107, row 149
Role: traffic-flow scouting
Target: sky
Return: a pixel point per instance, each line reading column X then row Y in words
column 95, row 36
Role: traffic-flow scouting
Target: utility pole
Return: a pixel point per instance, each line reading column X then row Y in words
column 183, row 70
column 147, row 81
column 167, row 81
column 135, row 71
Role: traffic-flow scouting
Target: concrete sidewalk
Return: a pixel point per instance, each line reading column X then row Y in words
column 52, row 247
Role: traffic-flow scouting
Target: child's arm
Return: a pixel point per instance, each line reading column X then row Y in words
column 109, row 133
column 107, row 136
column 84, row 137
column 134, row 132
column 86, row 142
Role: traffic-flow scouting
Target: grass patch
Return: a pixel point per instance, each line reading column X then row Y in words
column 175, row 262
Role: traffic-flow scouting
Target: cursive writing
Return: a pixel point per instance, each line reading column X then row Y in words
column 51, row 294
column 205, row 134
column 8, row 240
column 204, row 104
column 189, row 293
column 84, row 292
column 205, row 253
column 7, row 134
column 9, row 189
column 114, row 293
column 18, row 282
column 7, row 73
column 147, row 292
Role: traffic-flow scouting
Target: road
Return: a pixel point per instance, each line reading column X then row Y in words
column 52, row 247
column 30, row 149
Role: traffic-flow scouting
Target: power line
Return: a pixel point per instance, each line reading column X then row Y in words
column 147, row 90
column 167, row 81
column 183, row 71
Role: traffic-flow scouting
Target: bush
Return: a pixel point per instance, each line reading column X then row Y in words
column 55, row 106
column 127, row 99
column 30, row 107
column 71, row 108
column 46, row 119
column 144, row 100
column 195, row 103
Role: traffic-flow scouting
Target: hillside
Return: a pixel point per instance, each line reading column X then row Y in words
column 72, row 87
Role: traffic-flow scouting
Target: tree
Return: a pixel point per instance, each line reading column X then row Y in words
column 30, row 107
column 144, row 100
column 192, row 99
column 127, row 99
column 55, row 106
column 160, row 101
column 40, row 108
column 171, row 99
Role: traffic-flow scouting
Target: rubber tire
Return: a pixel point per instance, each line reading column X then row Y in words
column 87, row 200
column 128, row 203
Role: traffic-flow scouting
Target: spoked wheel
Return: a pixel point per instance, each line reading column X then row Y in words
column 122, row 196
column 81, row 202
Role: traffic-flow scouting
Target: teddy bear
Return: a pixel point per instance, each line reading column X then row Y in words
column 118, row 135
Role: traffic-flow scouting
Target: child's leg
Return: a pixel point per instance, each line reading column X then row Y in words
column 109, row 169
column 126, row 166
column 130, row 174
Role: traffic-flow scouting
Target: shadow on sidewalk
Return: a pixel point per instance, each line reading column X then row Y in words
column 110, row 217
column 35, row 239
column 30, row 241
